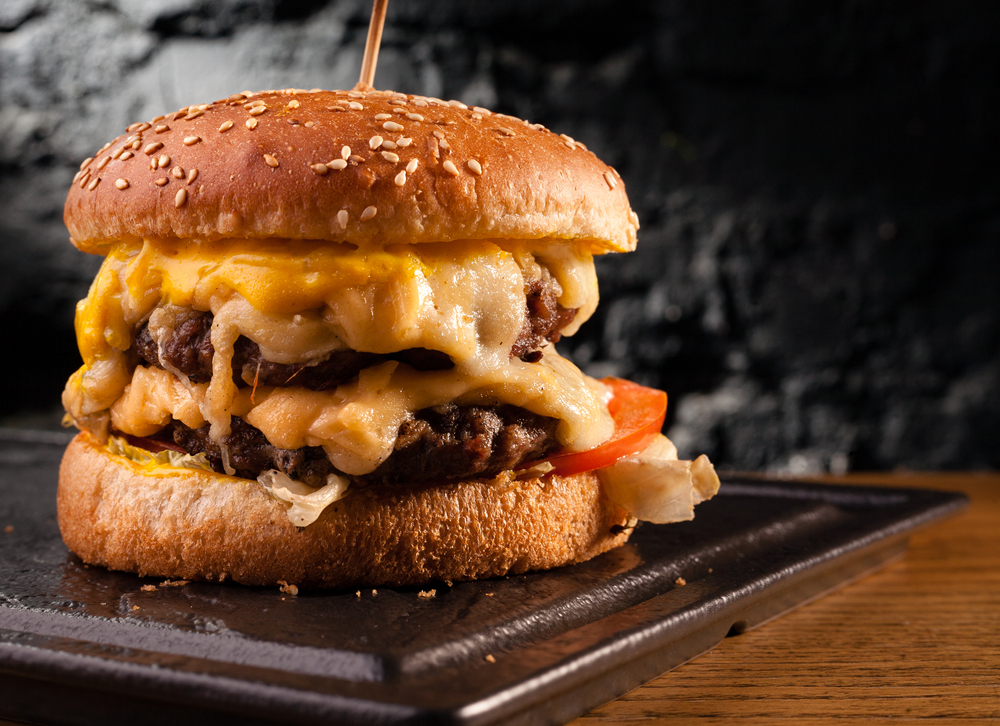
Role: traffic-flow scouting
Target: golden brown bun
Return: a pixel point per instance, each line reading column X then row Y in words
column 260, row 182
column 198, row 525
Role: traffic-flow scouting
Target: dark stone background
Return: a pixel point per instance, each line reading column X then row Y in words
column 816, row 284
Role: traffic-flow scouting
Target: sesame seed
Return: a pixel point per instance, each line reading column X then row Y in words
column 374, row 142
column 475, row 167
column 315, row 90
column 457, row 104
column 412, row 166
column 398, row 100
column 270, row 161
column 355, row 94
column 345, row 152
column 254, row 104
column 257, row 110
column 320, row 169
column 163, row 161
column 103, row 162
column 400, row 179
column 161, row 128
column 191, row 140
column 342, row 217
column 293, row 104
column 133, row 127
column 86, row 161
column 356, row 158
column 450, row 167
column 177, row 172
column 76, row 177
column 180, row 198
column 383, row 116
column 483, row 111
column 414, row 117
column 388, row 144
column 143, row 126
column 136, row 144
column 118, row 153
column 161, row 181
column 335, row 108
column 93, row 184
column 226, row 125
column 309, row 124
column 337, row 164
column 356, row 106
column 610, row 179
column 505, row 132
column 237, row 97
column 192, row 175
column 392, row 126
column 125, row 155
column 84, row 179
column 420, row 102
column 390, row 156
column 251, row 123
column 121, row 183
column 404, row 141
column 193, row 114
column 156, row 120
column 368, row 213
column 399, row 110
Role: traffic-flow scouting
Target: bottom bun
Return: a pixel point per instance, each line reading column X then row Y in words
column 192, row 524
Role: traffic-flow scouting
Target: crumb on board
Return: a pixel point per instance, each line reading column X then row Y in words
column 489, row 594
column 374, row 592
column 680, row 582
column 288, row 589
column 149, row 588
column 135, row 607
column 427, row 593
column 8, row 529
column 709, row 569
column 449, row 583
column 489, row 658
column 358, row 593
column 174, row 583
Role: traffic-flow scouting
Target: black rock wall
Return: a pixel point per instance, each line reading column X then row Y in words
column 816, row 284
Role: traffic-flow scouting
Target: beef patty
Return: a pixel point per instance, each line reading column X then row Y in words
column 448, row 442
column 188, row 349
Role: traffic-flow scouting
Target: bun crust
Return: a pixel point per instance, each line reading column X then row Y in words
column 263, row 182
column 197, row 525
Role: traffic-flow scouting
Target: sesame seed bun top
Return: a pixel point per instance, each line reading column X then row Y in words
column 376, row 167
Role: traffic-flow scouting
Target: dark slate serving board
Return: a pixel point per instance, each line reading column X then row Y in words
column 81, row 645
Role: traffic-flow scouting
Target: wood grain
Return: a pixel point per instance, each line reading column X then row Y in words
column 917, row 640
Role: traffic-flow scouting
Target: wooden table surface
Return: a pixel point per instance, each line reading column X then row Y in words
column 919, row 639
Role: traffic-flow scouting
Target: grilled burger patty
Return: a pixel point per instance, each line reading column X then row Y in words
column 188, row 349
column 435, row 444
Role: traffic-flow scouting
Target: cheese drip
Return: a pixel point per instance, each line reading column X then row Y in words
column 357, row 423
column 300, row 300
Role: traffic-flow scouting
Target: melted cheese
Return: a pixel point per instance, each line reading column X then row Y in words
column 301, row 300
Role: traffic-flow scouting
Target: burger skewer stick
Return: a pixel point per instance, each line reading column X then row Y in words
column 371, row 46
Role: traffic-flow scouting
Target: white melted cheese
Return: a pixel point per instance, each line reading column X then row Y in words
column 300, row 301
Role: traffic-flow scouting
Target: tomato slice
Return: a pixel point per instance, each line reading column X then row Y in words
column 638, row 413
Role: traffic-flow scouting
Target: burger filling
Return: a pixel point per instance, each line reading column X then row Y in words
column 407, row 363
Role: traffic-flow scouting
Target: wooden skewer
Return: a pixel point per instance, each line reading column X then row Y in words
column 372, row 45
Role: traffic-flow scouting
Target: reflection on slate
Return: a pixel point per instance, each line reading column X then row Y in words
column 563, row 641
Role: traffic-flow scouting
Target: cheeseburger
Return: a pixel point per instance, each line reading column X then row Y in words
column 320, row 349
